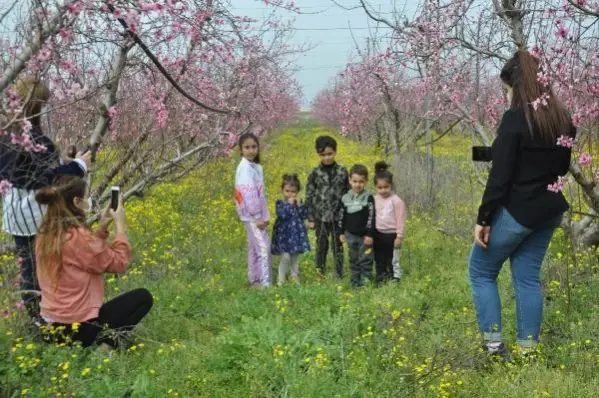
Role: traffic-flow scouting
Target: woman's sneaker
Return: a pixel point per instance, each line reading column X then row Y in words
column 498, row 350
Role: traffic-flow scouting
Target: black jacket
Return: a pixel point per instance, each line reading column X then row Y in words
column 32, row 170
column 361, row 222
column 523, row 167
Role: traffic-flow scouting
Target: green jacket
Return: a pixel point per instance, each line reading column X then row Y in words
column 324, row 191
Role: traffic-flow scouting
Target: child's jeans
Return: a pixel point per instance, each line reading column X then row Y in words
column 286, row 260
column 360, row 259
column 259, row 258
column 526, row 249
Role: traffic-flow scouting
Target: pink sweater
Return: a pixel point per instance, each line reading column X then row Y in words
column 80, row 287
column 390, row 215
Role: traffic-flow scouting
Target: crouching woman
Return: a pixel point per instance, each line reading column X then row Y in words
column 71, row 262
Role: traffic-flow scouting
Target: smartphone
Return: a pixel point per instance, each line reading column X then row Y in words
column 72, row 151
column 482, row 154
column 114, row 197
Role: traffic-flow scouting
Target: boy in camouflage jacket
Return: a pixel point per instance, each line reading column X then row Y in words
column 326, row 185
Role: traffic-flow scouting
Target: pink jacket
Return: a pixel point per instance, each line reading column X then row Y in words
column 79, row 292
column 390, row 215
column 250, row 194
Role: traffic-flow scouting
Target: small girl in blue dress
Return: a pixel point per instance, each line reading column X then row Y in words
column 289, row 236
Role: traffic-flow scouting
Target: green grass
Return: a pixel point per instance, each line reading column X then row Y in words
column 210, row 336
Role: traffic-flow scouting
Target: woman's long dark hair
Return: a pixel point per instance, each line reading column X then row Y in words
column 521, row 73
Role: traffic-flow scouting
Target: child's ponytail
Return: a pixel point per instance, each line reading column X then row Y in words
column 381, row 172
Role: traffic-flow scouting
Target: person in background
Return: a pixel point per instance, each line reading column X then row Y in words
column 28, row 170
column 357, row 220
column 390, row 225
column 289, row 237
column 327, row 183
column 520, row 208
column 252, row 208
column 71, row 263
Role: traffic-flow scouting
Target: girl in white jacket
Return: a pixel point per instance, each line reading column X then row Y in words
column 250, row 201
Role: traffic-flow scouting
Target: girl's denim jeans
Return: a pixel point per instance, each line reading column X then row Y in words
column 526, row 249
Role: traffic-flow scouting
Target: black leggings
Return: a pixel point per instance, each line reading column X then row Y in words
column 384, row 245
column 25, row 246
column 116, row 319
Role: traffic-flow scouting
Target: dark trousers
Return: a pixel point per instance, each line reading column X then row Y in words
column 25, row 246
column 116, row 319
column 324, row 231
column 384, row 245
column 360, row 259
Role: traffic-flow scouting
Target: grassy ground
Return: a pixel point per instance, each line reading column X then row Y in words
column 210, row 336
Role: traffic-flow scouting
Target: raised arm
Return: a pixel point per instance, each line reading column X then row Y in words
column 93, row 254
column 284, row 209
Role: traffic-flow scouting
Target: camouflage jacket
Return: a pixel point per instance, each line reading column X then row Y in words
column 324, row 192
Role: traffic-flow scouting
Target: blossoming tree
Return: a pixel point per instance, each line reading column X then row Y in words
column 455, row 49
column 153, row 88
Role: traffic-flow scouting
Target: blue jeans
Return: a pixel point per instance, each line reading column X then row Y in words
column 526, row 249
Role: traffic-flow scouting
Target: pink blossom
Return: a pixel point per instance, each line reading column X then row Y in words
column 562, row 31
column 565, row 141
column 576, row 119
column 559, row 185
column 5, row 186
column 232, row 141
column 585, row 159
column 19, row 305
column 26, row 126
column 541, row 101
column 75, row 8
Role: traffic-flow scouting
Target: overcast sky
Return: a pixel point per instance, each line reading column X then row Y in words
column 326, row 26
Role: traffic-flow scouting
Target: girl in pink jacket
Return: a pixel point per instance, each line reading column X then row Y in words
column 390, row 224
column 250, row 201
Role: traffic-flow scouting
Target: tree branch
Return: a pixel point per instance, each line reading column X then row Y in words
column 513, row 18
column 109, row 97
column 153, row 177
column 161, row 68
column 50, row 29
column 8, row 10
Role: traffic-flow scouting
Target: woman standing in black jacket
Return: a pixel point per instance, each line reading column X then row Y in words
column 519, row 214
column 27, row 170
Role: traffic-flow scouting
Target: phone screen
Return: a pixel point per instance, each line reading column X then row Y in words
column 114, row 198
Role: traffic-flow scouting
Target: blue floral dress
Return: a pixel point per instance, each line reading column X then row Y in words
column 289, row 233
